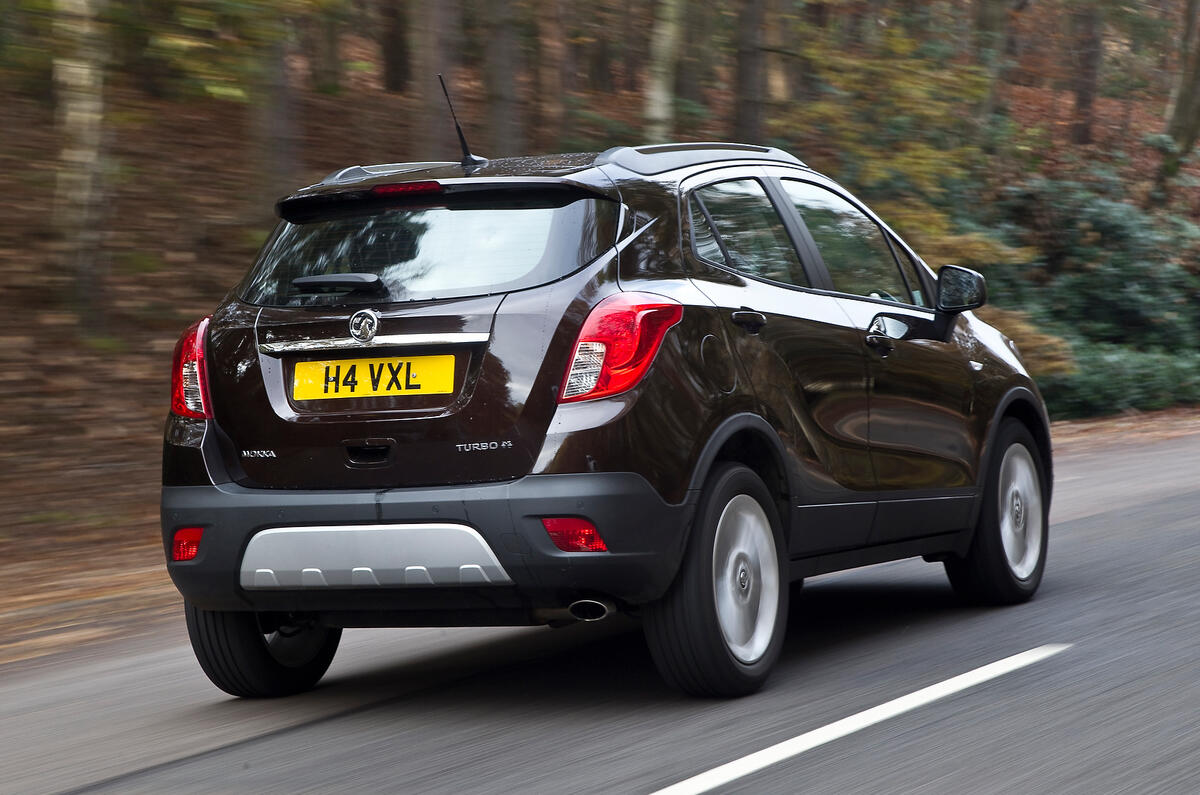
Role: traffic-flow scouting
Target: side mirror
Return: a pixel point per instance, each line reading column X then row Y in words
column 960, row 289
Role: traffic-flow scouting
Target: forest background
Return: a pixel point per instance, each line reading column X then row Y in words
column 1046, row 143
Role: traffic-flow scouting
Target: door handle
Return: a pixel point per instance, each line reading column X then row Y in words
column 749, row 319
column 880, row 343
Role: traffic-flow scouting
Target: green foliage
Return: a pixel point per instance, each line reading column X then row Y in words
column 690, row 115
column 590, row 130
column 1108, row 270
column 899, row 116
column 26, row 54
column 1110, row 379
column 894, row 98
column 898, row 121
column 173, row 48
column 101, row 343
column 1162, row 143
column 139, row 262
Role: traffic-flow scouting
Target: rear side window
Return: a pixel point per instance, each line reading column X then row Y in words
column 856, row 254
column 425, row 253
column 751, row 231
column 703, row 239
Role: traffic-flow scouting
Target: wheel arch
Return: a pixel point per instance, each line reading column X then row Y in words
column 1024, row 405
column 750, row 440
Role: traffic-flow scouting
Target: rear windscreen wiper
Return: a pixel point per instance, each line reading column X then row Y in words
column 366, row 283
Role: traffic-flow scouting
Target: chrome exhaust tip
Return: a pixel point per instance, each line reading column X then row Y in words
column 590, row 609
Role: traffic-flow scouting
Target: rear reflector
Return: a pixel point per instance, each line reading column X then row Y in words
column 406, row 188
column 617, row 344
column 186, row 543
column 572, row 534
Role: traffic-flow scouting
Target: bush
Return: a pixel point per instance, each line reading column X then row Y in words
column 1110, row 379
column 1109, row 271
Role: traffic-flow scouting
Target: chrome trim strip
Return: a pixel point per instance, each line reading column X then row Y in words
column 382, row 341
column 369, row 556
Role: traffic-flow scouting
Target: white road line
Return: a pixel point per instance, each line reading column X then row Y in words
column 738, row 768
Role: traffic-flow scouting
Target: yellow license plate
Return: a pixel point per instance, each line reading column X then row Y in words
column 356, row 378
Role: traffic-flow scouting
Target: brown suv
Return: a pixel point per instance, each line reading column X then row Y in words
column 663, row 380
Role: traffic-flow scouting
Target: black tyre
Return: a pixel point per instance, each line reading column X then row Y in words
column 718, row 631
column 252, row 656
column 1008, row 553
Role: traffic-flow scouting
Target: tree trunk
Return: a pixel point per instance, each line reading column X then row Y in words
column 394, row 45
column 694, row 67
column 1183, row 126
column 817, row 14
column 774, row 37
column 634, row 44
column 996, row 47
column 862, row 27
column 990, row 18
column 434, row 136
column 327, row 52
column 599, row 60
column 916, row 16
column 664, row 54
column 599, row 52
column 1186, row 39
column 549, row 110
column 803, row 82
column 276, row 126
column 79, row 189
column 8, row 13
column 500, row 68
column 750, row 80
column 133, row 27
column 1089, row 28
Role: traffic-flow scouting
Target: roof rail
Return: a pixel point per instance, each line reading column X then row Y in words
column 356, row 173
column 650, row 160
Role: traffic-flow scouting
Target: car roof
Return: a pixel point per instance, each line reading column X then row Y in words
column 648, row 161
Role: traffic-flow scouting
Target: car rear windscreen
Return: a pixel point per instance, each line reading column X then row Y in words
column 472, row 247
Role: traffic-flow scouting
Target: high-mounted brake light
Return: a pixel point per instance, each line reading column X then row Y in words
column 185, row 545
column 189, row 380
column 573, row 534
column 407, row 188
column 617, row 344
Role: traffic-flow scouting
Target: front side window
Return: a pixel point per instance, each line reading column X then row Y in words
column 752, row 231
column 910, row 267
column 856, row 254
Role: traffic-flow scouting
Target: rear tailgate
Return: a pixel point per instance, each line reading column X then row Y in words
column 398, row 436
column 444, row 387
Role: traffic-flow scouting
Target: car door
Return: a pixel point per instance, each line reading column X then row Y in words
column 797, row 348
column 920, row 377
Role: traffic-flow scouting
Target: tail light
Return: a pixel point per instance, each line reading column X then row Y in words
column 572, row 534
column 189, row 384
column 617, row 344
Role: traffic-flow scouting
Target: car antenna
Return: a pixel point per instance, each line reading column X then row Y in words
column 469, row 160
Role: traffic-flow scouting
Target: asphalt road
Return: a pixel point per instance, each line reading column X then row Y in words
column 582, row 710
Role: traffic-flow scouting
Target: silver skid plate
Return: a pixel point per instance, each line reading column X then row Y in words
column 369, row 556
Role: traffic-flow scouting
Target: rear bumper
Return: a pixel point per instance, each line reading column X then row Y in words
column 316, row 545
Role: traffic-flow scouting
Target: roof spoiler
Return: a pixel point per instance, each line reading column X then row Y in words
column 304, row 207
